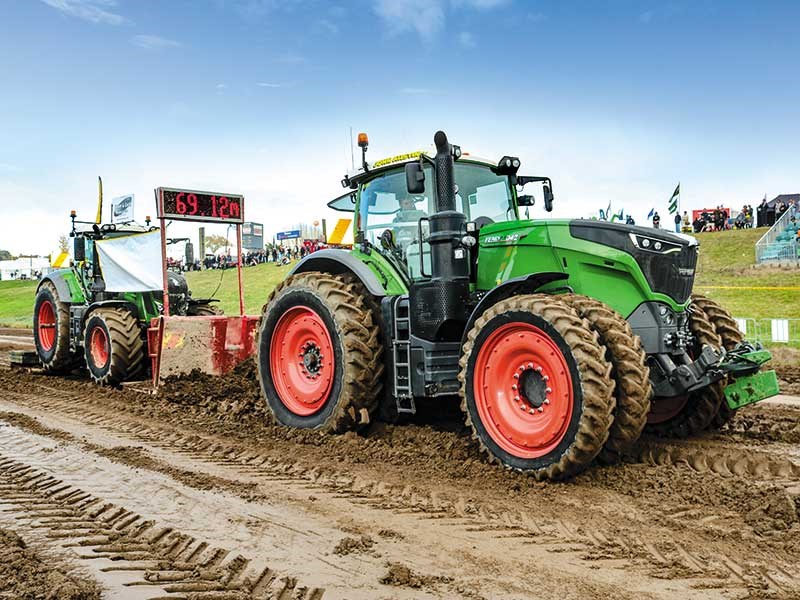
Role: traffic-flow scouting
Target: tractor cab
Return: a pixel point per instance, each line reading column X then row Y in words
column 394, row 198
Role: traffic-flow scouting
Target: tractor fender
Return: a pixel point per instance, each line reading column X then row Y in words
column 332, row 260
column 58, row 279
column 527, row 284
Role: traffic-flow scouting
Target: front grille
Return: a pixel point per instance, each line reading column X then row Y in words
column 669, row 271
column 670, row 274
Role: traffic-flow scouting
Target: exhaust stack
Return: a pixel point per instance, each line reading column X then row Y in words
column 439, row 304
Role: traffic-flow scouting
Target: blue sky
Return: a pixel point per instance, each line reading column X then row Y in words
column 617, row 101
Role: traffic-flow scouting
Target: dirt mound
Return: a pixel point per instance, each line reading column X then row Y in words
column 26, row 576
column 768, row 423
column 234, row 395
column 400, row 575
column 351, row 545
column 789, row 377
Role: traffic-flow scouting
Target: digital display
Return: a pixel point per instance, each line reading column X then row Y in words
column 191, row 205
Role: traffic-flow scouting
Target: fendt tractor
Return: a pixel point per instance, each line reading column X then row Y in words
column 565, row 339
column 76, row 322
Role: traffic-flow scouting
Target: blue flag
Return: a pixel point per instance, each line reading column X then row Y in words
column 651, row 213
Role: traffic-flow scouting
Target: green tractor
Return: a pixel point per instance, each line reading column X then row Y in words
column 77, row 323
column 565, row 339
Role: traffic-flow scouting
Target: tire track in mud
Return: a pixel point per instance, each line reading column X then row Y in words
column 177, row 565
column 663, row 558
column 755, row 465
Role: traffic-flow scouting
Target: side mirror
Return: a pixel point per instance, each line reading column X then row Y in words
column 415, row 178
column 548, row 197
column 79, row 249
column 526, row 200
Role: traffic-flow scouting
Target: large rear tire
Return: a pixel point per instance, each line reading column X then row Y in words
column 319, row 353
column 694, row 412
column 113, row 346
column 51, row 331
column 628, row 369
column 536, row 387
column 728, row 331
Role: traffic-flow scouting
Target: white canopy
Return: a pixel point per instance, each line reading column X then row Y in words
column 131, row 263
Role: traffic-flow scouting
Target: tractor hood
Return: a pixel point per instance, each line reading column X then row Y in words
column 667, row 260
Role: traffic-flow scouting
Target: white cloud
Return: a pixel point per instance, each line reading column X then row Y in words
column 94, row 11
column 326, row 26
column 425, row 17
column 275, row 86
column 153, row 42
column 466, row 39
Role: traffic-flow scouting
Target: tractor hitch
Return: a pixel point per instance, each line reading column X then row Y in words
column 671, row 379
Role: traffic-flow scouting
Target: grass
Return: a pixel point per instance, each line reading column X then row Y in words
column 257, row 281
column 725, row 270
column 16, row 303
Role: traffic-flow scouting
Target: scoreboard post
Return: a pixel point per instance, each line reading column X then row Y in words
column 175, row 204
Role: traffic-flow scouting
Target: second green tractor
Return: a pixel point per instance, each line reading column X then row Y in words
column 565, row 339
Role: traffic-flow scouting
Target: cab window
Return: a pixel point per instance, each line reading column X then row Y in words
column 482, row 193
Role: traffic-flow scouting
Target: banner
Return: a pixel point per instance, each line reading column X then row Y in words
column 131, row 263
column 122, row 209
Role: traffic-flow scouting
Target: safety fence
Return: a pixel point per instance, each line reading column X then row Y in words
column 770, row 331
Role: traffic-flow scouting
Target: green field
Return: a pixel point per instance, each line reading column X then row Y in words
column 726, row 273
column 16, row 303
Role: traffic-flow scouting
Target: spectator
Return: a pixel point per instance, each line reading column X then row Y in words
column 677, row 223
column 656, row 221
column 629, row 220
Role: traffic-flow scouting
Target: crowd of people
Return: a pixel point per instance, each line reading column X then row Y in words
column 720, row 218
column 272, row 253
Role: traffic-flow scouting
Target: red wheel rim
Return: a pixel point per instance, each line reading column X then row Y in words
column 98, row 347
column 301, row 361
column 664, row 409
column 46, row 325
column 522, row 423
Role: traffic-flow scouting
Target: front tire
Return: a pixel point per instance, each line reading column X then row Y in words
column 51, row 331
column 536, row 388
column 730, row 336
column 113, row 346
column 319, row 353
column 629, row 371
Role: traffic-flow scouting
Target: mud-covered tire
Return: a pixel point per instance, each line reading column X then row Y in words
column 51, row 331
column 728, row 331
column 113, row 346
column 203, row 310
column 344, row 395
column 702, row 405
column 629, row 371
column 533, row 329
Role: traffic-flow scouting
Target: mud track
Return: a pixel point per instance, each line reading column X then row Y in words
column 401, row 512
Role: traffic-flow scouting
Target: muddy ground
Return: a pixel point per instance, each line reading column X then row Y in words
column 194, row 493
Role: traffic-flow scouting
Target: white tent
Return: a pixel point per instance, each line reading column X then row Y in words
column 24, row 268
